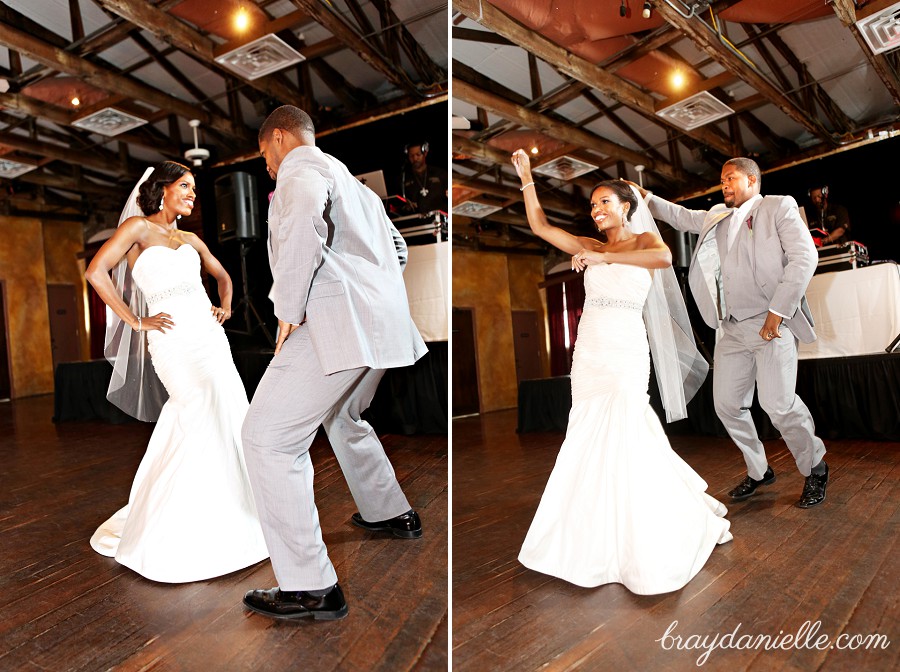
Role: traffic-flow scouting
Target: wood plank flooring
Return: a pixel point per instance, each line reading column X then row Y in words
column 837, row 565
column 64, row 608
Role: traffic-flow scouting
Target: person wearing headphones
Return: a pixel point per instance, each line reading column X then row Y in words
column 830, row 217
column 423, row 186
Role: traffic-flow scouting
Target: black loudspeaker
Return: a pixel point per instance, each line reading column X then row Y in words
column 237, row 210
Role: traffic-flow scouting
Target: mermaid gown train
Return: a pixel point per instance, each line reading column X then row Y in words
column 620, row 505
column 191, row 514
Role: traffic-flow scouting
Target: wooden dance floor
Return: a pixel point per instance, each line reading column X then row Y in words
column 837, row 565
column 63, row 607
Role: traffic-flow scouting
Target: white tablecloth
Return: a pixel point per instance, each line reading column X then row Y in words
column 427, row 278
column 857, row 312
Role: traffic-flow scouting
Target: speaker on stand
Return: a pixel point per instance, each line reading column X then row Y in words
column 237, row 217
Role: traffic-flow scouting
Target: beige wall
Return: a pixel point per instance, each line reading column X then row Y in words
column 31, row 257
column 23, row 272
column 494, row 285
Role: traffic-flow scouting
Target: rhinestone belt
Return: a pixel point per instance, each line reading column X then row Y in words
column 182, row 289
column 606, row 302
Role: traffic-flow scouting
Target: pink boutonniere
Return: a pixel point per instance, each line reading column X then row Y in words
column 750, row 224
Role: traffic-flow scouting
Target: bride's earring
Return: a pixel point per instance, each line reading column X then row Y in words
column 177, row 216
column 161, row 201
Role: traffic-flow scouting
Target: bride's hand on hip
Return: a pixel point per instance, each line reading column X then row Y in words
column 221, row 314
column 587, row 258
column 158, row 322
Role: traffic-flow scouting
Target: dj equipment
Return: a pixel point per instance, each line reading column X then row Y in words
column 824, row 189
column 842, row 257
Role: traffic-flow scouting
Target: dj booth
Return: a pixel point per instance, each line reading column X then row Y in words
column 849, row 377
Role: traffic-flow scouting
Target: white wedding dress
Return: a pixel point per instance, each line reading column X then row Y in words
column 620, row 505
column 190, row 515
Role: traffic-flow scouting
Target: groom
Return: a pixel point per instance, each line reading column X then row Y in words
column 753, row 261
column 343, row 318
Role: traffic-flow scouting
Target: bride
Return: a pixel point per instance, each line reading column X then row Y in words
column 190, row 515
column 620, row 506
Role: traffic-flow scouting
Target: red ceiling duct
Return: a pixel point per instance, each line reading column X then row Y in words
column 217, row 16
column 60, row 91
column 513, row 140
column 776, row 11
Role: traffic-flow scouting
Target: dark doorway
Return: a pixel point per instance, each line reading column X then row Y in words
column 465, row 367
column 64, row 341
column 527, row 345
column 5, row 379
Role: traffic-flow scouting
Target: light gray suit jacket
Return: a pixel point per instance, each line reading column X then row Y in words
column 338, row 260
column 783, row 257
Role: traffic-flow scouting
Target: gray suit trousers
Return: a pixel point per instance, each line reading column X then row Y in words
column 744, row 360
column 293, row 399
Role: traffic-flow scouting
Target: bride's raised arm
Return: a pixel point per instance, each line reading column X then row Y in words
column 537, row 220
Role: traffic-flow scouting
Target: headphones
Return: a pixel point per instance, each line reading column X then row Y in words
column 823, row 188
column 423, row 147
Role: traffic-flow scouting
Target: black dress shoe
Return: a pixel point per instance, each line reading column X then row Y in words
column 814, row 490
column 748, row 486
column 406, row 525
column 293, row 604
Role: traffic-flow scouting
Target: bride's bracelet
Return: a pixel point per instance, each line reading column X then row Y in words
column 139, row 323
column 525, row 186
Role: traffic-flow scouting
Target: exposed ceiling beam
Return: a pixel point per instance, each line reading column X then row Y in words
column 78, row 186
column 57, row 152
column 846, row 12
column 337, row 27
column 554, row 128
column 584, row 71
column 177, row 33
column 551, row 200
column 703, row 38
column 110, row 81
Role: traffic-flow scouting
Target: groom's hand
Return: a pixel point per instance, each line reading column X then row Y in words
column 770, row 328
column 285, row 329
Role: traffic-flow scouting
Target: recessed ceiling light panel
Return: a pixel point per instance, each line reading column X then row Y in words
column 10, row 169
column 565, row 168
column 695, row 111
column 260, row 57
column 882, row 30
column 109, row 121
column 475, row 209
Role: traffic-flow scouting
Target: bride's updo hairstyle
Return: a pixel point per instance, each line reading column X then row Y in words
column 151, row 192
column 623, row 191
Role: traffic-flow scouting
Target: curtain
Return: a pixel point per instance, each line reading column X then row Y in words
column 559, row 357
column 575, row 306
column 97, row 318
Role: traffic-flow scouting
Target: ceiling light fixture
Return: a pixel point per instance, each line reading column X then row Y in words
column 242, row 19
column 678, row 79
column 647, row 9
column 623, row 10
column 534, row 150
column 196, row 154
column 75, row 101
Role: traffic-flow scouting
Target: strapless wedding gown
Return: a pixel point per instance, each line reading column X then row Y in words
column 191, row 514
column 620, row 505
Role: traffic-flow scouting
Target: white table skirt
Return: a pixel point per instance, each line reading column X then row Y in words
column 427, row 278
column 857, row 312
